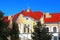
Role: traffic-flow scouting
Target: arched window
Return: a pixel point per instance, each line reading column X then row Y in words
column 54, row 29
column 26, row 28
column 47, row 29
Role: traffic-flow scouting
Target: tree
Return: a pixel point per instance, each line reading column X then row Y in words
column 15, row 31
column 4, row 30
column 1, row 14
column 40, row 33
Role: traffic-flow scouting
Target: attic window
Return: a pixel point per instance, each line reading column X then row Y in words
column 48, row 15
column 9, row 17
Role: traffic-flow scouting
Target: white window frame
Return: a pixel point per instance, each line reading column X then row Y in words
column 48, row 27
column 53, row 27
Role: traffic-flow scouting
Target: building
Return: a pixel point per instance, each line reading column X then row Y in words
column 27, row 19
column 52, row 22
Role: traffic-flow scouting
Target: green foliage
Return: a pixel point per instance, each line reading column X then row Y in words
column 1, row 14
column 15, row 32
column 4, row 30
column 40, row 34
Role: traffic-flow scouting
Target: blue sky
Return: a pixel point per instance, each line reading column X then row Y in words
column 11, row 7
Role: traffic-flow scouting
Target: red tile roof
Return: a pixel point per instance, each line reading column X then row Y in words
column 35, row 15
column 55, row 17
column 5, row 18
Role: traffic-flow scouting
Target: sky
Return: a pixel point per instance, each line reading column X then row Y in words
column 11, row 7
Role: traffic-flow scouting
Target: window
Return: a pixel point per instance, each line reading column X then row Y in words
column 28, row 25
column 54, row 29
column 59, row 38
column 26, row 18
column 28, row 28
column 55, row 38
column 47, row 29
column 24, row 28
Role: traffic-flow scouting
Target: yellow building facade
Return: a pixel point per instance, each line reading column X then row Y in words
column 25, row 24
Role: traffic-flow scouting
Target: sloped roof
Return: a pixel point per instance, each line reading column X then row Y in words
column 5, row 18
column 55, row 17
column 35, row 15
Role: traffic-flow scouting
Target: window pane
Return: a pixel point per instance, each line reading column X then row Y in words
column 26, row 18
column 47, row 29
column 28, row 25
column 55, row 37
column 24, row 28
column 54, row 29
column 28, row 30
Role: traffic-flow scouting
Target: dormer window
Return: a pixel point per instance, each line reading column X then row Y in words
column 9, row 17
column 48, row 15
